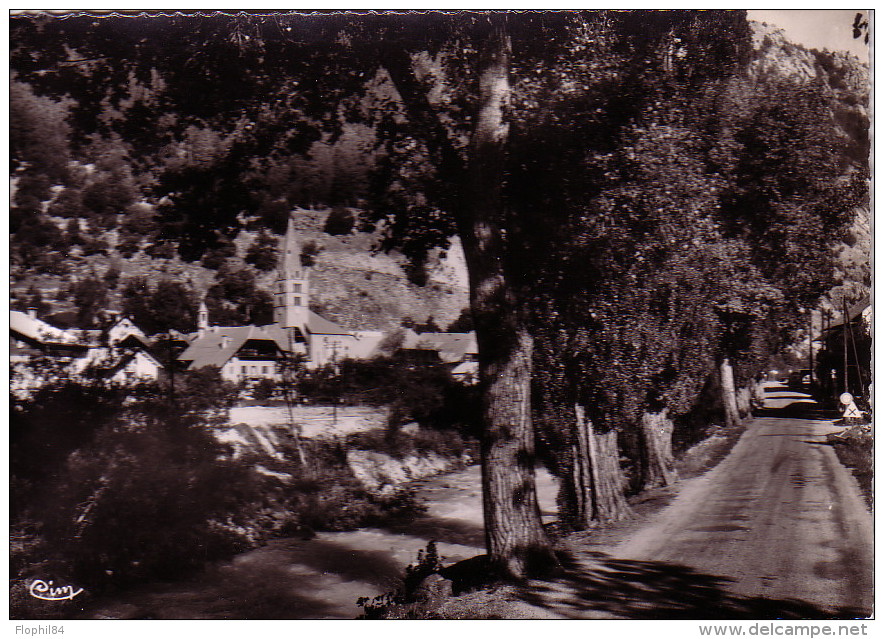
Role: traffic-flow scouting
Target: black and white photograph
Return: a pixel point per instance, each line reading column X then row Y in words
column 453, row 314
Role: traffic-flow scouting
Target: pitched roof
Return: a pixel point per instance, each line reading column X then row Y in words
column 289, row 253
column 210, row 348
column 452, row 347
column 318, row 325
column 39, row 331
column 853, row 312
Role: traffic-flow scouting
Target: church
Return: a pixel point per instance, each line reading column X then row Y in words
column 250, row 353
column 320, row 340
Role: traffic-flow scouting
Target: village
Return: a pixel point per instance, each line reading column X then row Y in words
column 245, row 355
column 440, row 315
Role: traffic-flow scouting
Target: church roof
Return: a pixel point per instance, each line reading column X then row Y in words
column 318, row 325
column 211, row 348
column 289, row 253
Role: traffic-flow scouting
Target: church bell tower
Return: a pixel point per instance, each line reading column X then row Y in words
column 290, row 297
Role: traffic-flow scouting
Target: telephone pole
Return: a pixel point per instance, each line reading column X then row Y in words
column 844, row 325
column 810, row 341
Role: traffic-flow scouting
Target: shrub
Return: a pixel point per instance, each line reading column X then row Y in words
column 398, row 444
column 108, row 196
column 262, row 252
column 128, row 245
column 264, row 389
column 274, row 214
column 161, row 249
column 340, row 221
column 396, row 602
column 139, row 220
column 90, row 296
column 134, row 493
column 216, row 257
column 69, row 204
column 112, row 276
column 95, row 246
column 34, row 184
column 324, row 495
column 145, row 503
column 309, row 253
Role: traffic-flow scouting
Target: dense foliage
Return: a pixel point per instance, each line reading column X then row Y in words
column 114, row 484
column 639, row 192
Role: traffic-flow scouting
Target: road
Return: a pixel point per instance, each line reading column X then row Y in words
column 777, row 530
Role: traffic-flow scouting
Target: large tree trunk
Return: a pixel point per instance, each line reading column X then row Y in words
column 744, row 402
column 517, row 544
column 598, row 480
column 657, row 461
column 729, row 394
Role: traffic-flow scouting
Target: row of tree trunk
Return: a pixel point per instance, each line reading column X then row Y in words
column 594, row 484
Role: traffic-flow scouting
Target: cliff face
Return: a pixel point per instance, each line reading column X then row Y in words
column 839, row 73
column 845, row 78
column 366, row 290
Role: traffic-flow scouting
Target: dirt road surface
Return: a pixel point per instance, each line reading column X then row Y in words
column 777, row 530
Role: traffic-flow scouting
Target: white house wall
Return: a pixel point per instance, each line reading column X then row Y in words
column 232, row 371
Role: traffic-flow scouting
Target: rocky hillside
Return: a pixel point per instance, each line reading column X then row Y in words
column 350, row 283
column 366, row 290
column 841, row 73
column 845, row 78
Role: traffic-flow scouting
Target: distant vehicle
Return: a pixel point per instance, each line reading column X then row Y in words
column 797, row 379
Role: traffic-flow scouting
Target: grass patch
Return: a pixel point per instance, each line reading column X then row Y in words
column 854, row 449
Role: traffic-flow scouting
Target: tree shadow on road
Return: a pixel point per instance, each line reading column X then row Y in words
column 452, row 531
column 593, row 584
column 801, row 409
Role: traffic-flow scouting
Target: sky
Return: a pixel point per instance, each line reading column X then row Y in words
column 830, row 29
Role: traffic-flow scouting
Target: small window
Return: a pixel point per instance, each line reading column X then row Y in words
column 263, row 370
column 297, row 301
column 243, row 369
column 297, row 288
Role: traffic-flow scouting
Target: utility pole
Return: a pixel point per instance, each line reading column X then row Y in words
column 334, row 359
column 810, row 341
column 827, row 324
column 171, row 360
column 844, row 323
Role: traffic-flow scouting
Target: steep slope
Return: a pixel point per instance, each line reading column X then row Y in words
column 350, row 283
column 366, row 290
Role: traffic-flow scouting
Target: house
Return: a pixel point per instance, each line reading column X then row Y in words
column 849, row 342
column 119, row 354
column 242, row 353
column 459, row 350
column 31, row 337
column 122, row 365
column 368, row 344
